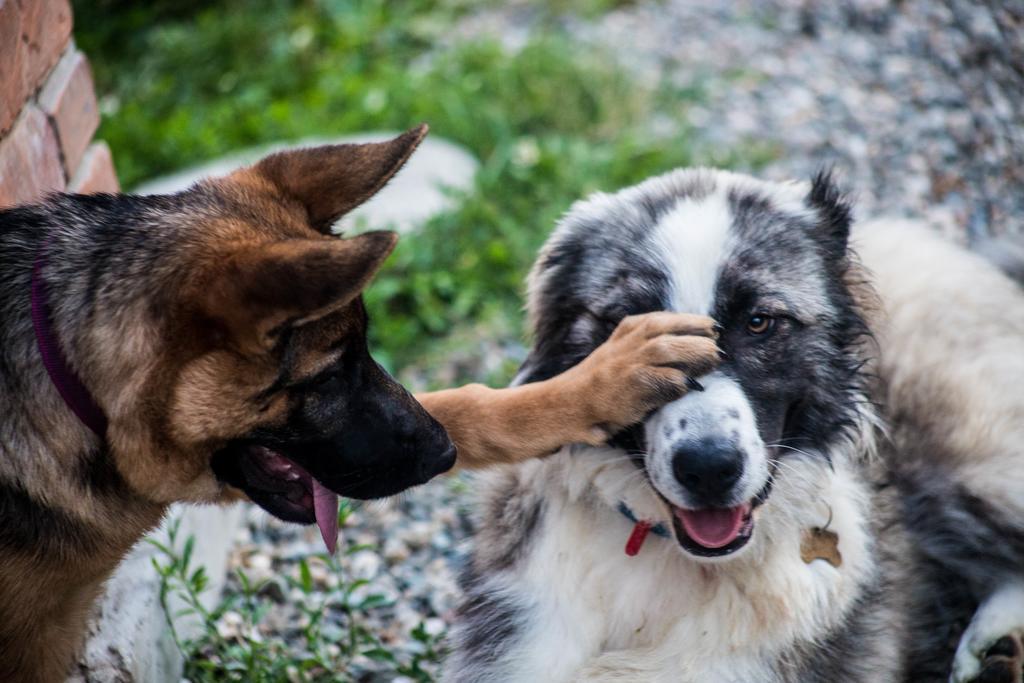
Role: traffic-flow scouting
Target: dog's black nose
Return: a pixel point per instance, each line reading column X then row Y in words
column 709, row 470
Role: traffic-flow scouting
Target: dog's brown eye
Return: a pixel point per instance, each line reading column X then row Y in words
column 760, row 324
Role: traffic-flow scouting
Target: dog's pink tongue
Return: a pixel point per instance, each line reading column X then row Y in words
column 325, row 505
column 713, row 527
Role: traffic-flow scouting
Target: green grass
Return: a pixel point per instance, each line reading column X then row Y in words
column 183, row 82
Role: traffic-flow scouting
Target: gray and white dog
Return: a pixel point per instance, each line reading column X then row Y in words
column 843, row 502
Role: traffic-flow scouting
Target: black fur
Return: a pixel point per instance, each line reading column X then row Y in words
column 835, row 213
column 956, row 570
column 517, row 519
column 493, row 623
column 98, row 473
column 34, row 528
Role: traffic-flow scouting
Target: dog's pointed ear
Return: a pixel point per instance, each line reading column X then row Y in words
column 256, row 292
column 834, row 213
column 331, row 180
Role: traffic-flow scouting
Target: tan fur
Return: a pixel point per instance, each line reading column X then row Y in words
column 614, row 387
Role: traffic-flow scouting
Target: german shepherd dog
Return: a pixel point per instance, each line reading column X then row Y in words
column 211, row 345
column 843, row 502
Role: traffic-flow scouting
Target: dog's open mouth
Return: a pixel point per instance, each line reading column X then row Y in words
column 283, row 488
column 713, row 532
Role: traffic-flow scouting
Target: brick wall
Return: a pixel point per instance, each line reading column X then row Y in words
column 48, row 111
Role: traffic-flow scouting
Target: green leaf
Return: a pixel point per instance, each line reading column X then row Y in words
column 378, row 654
column 374, row 600
column 159, row 546
column 186, row 553
column 306, row 576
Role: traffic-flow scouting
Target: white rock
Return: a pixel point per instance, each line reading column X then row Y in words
column 259, row 562
column 395, row 550
column 419, row 534
column 434, row 626
column 365, row 564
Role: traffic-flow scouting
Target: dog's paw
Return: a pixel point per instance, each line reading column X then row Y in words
column 992, row 648
column 650, row 360
column 651, row 325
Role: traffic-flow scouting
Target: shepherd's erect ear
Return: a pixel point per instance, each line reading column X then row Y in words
column 257, row 291
column 834, row 212
column 331, row 180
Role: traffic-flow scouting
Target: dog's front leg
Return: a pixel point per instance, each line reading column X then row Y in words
column 648, row 361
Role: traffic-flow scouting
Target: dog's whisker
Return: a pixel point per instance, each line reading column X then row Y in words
column 791, row 448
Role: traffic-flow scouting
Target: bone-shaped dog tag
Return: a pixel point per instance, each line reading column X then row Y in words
column 820, row 544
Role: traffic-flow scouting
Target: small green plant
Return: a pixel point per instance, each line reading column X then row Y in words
column 227, row 642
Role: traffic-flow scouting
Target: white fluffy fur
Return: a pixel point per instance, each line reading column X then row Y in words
column 597, row 614
column 693, row 240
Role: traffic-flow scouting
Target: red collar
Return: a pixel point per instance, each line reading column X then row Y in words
column 641, row 527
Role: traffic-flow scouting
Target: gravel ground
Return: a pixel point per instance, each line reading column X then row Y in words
column 918, row 104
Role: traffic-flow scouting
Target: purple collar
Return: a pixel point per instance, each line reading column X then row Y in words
column 68, row 385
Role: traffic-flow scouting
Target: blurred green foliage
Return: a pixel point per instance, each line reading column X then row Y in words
column 183, row 81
